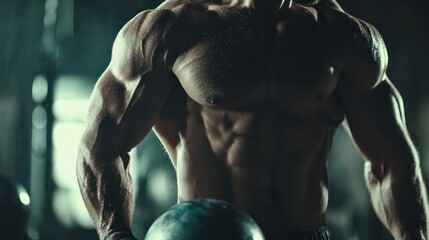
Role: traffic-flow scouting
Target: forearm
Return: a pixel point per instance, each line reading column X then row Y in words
column 400, row 200
column 107, row 190
column 409, row 195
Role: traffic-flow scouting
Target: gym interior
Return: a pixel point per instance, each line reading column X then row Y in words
column 53, row 51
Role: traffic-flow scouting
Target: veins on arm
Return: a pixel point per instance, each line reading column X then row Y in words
column 123, row 107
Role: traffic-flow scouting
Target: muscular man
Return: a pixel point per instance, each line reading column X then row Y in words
column 246, row 95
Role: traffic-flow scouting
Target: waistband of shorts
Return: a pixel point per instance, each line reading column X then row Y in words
column 319, row 232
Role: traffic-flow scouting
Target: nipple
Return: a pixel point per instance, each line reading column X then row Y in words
column 213, row 99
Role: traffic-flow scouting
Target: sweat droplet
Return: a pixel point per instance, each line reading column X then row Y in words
column 213, row 99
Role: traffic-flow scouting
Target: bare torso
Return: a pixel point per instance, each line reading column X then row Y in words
column 246, row 95
column 252, row 113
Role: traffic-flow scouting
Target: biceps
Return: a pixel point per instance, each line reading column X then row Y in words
column 121, row 115
column 376, row 120
column 146, row 104
column 388, row 108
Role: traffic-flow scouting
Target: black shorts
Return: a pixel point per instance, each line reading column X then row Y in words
column 320, row 232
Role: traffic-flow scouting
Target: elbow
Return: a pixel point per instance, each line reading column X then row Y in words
column 98, row 158
column 91, row 158
column 100, row 150
column 398, row 163
column 399, row 156
column 404, row 164
column 396, row 172
column 84, row 164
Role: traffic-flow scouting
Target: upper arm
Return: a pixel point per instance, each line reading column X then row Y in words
column 373, row 106
column 131, row 92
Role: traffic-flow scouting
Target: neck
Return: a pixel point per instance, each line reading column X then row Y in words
column 307, row 2
column 266, row 8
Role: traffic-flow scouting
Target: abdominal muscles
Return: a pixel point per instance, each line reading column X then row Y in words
column 270, row 164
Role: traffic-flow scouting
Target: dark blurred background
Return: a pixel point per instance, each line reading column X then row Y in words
column 52, row 52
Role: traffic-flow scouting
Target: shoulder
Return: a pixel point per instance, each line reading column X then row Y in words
column 365, row 56
column 146, row 39
column 367, row 42
column 134, row 48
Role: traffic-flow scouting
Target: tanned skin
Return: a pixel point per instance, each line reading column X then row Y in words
column 246, row 96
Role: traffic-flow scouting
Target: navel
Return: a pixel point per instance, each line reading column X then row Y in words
column 213, row 99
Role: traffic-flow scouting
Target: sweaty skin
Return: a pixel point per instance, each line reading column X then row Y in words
column 246, row 97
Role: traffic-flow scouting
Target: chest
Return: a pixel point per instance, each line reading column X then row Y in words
column 238, row 62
